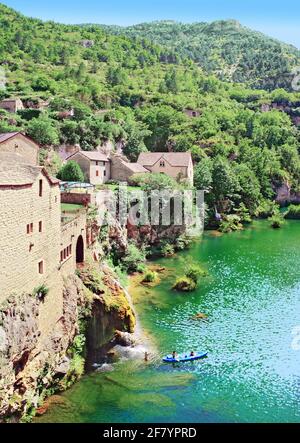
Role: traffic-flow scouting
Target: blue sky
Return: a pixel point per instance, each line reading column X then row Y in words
column 278, row 18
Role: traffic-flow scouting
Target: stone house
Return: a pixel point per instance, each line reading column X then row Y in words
column 11, row 104
column 21, row 146
column 36, row 246
column 94, row 164
column 122, row 170
column 178, row 165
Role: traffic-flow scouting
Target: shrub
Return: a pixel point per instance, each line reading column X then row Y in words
column 184, row 284
column 40, row 292
column 149, row 276
column 182, row 243
column 293, row 212
column 71, row 172
column 167, row 250
column 266, row 209
column 194, row 272
column 231, row 222
column 277, row 221
column 190, row 280
column 134, row 259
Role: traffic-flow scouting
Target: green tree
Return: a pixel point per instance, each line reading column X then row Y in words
column 43, row 131
column 71, row 172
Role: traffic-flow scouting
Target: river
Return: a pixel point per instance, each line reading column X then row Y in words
column 252, row 373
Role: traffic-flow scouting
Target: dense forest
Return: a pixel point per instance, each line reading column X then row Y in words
column 147, row 97
column 225, row 48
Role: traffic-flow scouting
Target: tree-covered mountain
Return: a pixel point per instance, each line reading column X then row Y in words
column 225, row 48
column 137, row 94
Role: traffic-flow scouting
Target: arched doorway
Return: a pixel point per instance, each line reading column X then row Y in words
column 80, row 250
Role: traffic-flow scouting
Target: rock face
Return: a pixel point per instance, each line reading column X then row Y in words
column 32, row 366
column 29, row 362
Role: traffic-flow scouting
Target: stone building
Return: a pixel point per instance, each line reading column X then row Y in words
column 21, row 146
column 94, row 164
column 11, row 104
column 122, row 170
column 178, row 165
column 37, row 247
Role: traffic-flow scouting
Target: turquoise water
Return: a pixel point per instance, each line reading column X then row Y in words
column 252, row 374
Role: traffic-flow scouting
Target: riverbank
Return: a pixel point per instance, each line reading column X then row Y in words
column 252, row 302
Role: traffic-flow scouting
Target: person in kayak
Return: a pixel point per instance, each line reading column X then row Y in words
column 192, row 354
column 174, row 355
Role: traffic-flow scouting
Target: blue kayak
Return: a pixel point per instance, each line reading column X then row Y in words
column 184, row 357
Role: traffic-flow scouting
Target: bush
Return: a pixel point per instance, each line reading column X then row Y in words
column 184, row 284
column 277, row 221
column 71, row 172
column 41, row 292
column 231, row 222
column 150, row 276
column 190, row 280
column 135, row 258
column 167, row 250
column 194, row 272
column 266, row 209
column 293, row 212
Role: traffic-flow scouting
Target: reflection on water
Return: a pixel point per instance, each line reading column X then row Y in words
column 252, row 300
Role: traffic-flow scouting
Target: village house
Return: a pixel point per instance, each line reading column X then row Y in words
column 37, row 247
column 178, row 165
column 99, row 167
column 11, row 104
column 122, row 169
column 21, row 146
column 94, row 164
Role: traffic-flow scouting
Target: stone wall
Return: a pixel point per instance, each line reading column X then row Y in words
column 76, row 198
column 119, row 171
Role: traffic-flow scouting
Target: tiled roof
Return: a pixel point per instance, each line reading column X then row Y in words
column 91, row 155
column 13, row 173
column 18, row 174
column 173, row 158
column 136, row 167
column 7, row 136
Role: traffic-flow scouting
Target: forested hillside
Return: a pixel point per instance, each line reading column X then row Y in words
column 138, row 94
column 225, row 48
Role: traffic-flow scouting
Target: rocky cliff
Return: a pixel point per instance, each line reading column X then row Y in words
column 33, row 366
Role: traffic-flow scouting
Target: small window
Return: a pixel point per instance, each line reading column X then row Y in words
column 41, row 188
column 41, row 267
column 29, row 228
column 97, row 173
column 104, row 173
column 162, row 164
column 40, row 226
column 97, row 163
column 62, row 256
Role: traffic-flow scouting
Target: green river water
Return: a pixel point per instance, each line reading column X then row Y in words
column 252, row 373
